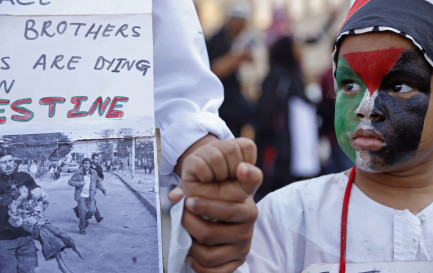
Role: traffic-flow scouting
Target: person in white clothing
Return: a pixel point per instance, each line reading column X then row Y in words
column 187, row 93
column 85, row 181
column 187, row 98
column 381, row 210
column 33, row 169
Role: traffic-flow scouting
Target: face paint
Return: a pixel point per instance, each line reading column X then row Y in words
column 372, row 104
column 345, row 105
column 374, row 65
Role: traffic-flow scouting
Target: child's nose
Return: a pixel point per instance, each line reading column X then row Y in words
column 368, row 108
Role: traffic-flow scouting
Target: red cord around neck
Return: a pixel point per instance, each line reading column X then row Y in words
column 344, row 221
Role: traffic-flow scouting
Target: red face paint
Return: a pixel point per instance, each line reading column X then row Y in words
column 372, row 66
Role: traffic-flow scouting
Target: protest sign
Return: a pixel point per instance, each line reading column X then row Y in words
column 76, row 82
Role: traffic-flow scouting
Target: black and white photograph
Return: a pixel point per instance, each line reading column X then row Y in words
column 79, row 206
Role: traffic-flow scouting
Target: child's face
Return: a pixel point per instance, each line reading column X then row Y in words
column 383, row 91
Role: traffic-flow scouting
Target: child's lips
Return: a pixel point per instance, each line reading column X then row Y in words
column 367, row 140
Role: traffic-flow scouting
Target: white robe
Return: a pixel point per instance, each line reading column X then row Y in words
column 299, row 225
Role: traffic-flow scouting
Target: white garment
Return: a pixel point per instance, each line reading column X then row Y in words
column 299, row 225
column 304, row 138
column 85, row 191
column 187, row 93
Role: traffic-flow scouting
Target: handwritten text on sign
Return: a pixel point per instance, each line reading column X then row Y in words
column 61, row 67
column 76, row 7
column 25, row 3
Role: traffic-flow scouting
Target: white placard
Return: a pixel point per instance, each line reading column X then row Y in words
column 76, row 80
column 91, row 70
column 376, row 267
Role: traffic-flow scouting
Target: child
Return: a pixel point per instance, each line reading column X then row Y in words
column 383, row 210
column 27, row 212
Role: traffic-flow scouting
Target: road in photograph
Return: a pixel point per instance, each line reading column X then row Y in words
column 124, row 241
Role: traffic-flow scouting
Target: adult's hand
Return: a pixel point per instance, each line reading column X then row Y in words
column 218, row 181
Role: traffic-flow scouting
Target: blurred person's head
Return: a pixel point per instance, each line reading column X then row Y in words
column 282, row 52
column 238, row 17
column 279, row 27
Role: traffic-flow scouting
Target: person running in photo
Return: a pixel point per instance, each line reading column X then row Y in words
column 85, row 181
column 95, row 165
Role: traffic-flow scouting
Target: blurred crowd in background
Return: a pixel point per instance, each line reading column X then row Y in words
column 273, row 58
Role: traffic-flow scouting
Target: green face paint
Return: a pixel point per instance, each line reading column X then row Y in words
column 346, row 105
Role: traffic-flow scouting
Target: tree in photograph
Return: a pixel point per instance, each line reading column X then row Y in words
column 106, row 145
column 50, row 146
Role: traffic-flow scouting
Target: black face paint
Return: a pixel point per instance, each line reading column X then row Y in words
column 401, row 120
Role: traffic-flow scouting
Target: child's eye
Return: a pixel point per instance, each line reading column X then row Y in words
column 401, row 88
column 350, row 86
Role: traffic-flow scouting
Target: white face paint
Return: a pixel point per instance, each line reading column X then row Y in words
column 364, row 113
column 366, row 106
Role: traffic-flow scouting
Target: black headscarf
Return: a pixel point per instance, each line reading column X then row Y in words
column 412, row 19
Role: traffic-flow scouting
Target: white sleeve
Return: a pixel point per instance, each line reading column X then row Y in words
column 187, row 93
